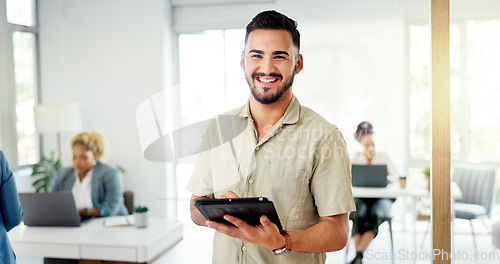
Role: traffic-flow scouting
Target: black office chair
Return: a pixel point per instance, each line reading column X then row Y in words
column 128, row 197
column 477, row 186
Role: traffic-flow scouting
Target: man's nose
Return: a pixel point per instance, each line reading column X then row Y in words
column 267, row 66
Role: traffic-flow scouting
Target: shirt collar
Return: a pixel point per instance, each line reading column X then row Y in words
column 291, row 116
column 87, row 176
column 292, row 113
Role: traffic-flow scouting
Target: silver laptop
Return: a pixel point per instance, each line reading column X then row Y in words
column 369, row 175
column 50, row 209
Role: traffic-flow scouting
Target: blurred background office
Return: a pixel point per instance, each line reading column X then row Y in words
column 363, row 60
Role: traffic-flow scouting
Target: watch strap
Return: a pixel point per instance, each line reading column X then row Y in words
column 288, row 240
column 288, row 243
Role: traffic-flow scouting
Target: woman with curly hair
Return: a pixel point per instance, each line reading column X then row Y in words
column 96, row 187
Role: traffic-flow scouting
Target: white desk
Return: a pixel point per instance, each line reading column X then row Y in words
column 394, row 191
column 94, row 241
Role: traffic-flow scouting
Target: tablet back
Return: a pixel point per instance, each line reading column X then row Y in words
column 248, row 209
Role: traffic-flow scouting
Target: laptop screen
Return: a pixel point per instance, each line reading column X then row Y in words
column 369, row 175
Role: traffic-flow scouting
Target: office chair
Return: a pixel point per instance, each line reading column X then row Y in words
column 388, row 219
column 477, row 186
column 128, row 197
column 495, row 235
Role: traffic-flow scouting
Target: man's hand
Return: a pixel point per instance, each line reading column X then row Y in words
column 266, row 234
column 228, row 195
column 196, row 216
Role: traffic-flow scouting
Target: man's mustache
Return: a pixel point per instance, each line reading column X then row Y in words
column 261, row 74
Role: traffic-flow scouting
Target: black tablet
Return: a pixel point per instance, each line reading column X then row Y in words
column 247, row 209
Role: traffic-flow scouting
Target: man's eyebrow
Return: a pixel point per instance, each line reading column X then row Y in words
column 256, row 51
column 280, row 53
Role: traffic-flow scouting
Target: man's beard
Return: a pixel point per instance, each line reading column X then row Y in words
column 274, row 97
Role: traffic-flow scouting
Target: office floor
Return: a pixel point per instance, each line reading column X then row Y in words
column 197, row 247
column 197, row 244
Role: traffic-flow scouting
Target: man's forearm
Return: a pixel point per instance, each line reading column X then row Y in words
column 329, row 235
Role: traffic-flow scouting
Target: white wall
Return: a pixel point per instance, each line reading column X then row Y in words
column 354, row 67
column 354, row 63
column 109, row 57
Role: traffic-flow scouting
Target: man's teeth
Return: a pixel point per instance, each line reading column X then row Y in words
column 267, row 80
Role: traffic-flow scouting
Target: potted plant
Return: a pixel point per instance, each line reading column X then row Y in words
column 44, row 172
column 141, row 216
column 427, row 173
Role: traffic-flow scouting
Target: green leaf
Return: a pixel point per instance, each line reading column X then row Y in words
column 57, row 165
column 140, row 209
column 41, row 188
column 42, row 180
column 44, row 172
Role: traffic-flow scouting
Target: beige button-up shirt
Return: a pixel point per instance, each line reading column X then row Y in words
column 301, row 164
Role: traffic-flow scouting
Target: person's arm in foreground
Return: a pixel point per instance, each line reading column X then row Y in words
column 11, row 209
column 330, row 234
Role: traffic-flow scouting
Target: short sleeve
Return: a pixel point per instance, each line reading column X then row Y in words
column 200, row 183
column 331, row 180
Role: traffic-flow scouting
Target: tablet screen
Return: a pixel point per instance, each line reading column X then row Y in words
column 247, row 209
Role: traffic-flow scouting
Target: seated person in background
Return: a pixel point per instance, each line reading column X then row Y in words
column 96, row 187
column 11, row 212
column 370, row 211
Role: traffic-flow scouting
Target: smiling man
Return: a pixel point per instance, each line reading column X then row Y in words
column 287, row 153
column 260, row 65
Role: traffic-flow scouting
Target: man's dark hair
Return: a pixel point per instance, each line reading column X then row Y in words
column 274, row 20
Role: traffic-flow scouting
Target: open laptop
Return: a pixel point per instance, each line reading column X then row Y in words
column 369, row 175
column 50, row 209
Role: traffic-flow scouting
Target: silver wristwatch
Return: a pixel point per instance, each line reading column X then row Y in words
column 280, row 251
column 288, row 243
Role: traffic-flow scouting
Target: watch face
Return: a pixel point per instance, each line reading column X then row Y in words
column 280, row 251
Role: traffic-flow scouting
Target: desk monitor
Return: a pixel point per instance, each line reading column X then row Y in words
column 50, row 209
column 369, row 175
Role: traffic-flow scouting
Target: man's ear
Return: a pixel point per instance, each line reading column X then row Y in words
column 300, row 64
column 242, row 61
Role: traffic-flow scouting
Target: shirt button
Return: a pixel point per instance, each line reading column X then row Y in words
column 250, row 181
column 244, row 248
column 257, row 148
